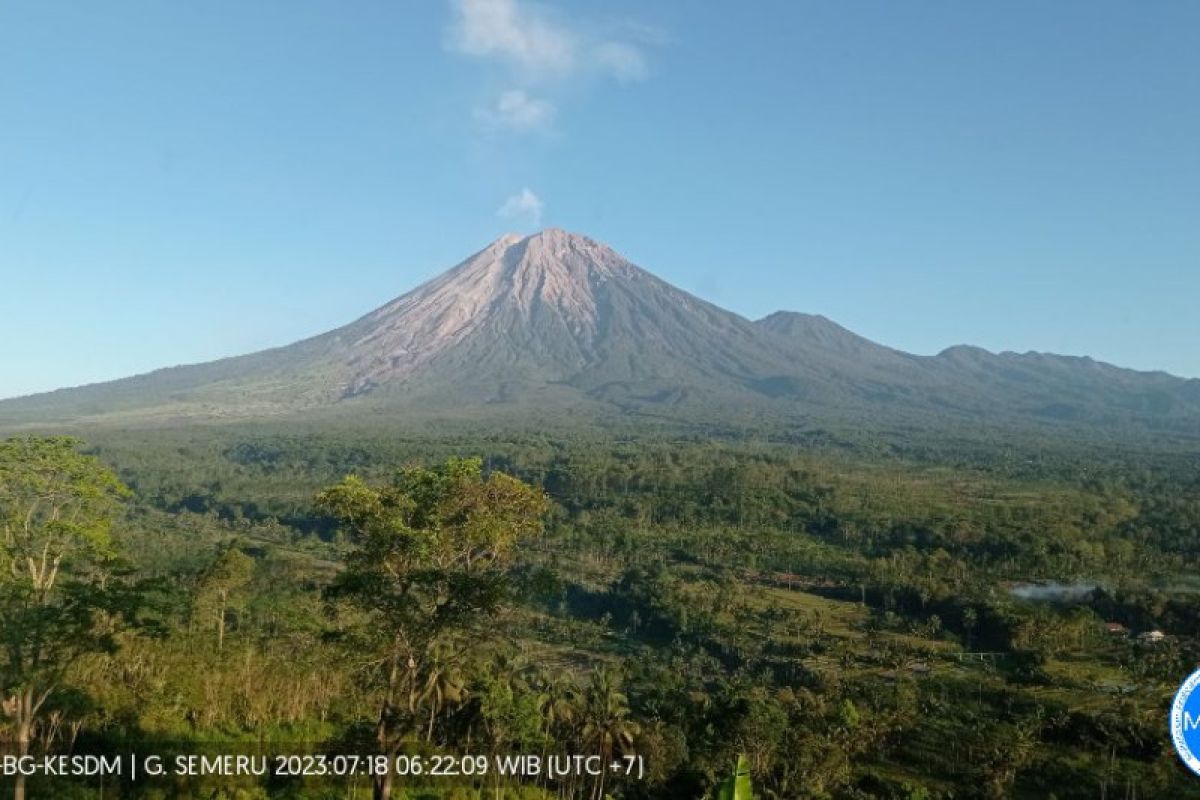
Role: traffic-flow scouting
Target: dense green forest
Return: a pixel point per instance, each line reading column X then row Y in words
column 869, row 619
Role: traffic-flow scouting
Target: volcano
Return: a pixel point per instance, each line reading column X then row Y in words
column 557, row 322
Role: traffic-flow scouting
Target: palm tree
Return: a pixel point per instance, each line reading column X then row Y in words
column 510, row 668
column 558, row 701
column 607, row 726
column 443, row 685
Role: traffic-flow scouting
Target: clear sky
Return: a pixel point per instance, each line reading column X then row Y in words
column 182, row 181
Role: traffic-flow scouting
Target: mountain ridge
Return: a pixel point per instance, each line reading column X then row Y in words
column 557, row 320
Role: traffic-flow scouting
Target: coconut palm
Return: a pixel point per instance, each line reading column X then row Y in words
column 607, row 726
column 444, row 685
column 559, row 700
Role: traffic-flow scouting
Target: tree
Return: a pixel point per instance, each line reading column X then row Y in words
column 558, row 701
column 607, row 725
column 428, row 566
column 220, row 584
column 970, row 618
column 57, row 602
column 444, row 685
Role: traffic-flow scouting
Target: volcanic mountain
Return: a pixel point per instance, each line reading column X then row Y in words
column 557, row 322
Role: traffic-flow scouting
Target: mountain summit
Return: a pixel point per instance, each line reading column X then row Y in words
column 544, row 313
column 557, row 322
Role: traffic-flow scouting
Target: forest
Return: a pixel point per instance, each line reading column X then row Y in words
column 856, row 620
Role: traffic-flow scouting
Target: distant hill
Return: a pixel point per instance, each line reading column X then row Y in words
column 556, row 323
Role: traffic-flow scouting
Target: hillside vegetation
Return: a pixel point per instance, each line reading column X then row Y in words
column 846, row 620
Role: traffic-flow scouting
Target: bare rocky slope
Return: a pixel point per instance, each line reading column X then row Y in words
column 556, row 322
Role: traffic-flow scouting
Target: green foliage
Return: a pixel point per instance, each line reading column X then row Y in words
column 55, row 505
column 427, row 568
column 843, row 621
column 221, row 589
column 59, row 599
column 430, row 548
column 737, row 786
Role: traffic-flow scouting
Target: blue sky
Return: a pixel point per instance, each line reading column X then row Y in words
column 184, row 181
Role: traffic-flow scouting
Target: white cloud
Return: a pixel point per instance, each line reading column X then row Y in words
column 539, row 44
column 525, row 206
column 511, row 32
column 515, row 110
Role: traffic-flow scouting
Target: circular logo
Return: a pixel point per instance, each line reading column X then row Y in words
column 1185, row 722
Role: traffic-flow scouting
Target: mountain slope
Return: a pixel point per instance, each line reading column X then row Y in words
column 1075, row 388
column 558, row 321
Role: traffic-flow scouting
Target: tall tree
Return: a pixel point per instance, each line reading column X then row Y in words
column 428, row 567
column 220, row 586
column 608, row 728
column 56, row 555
